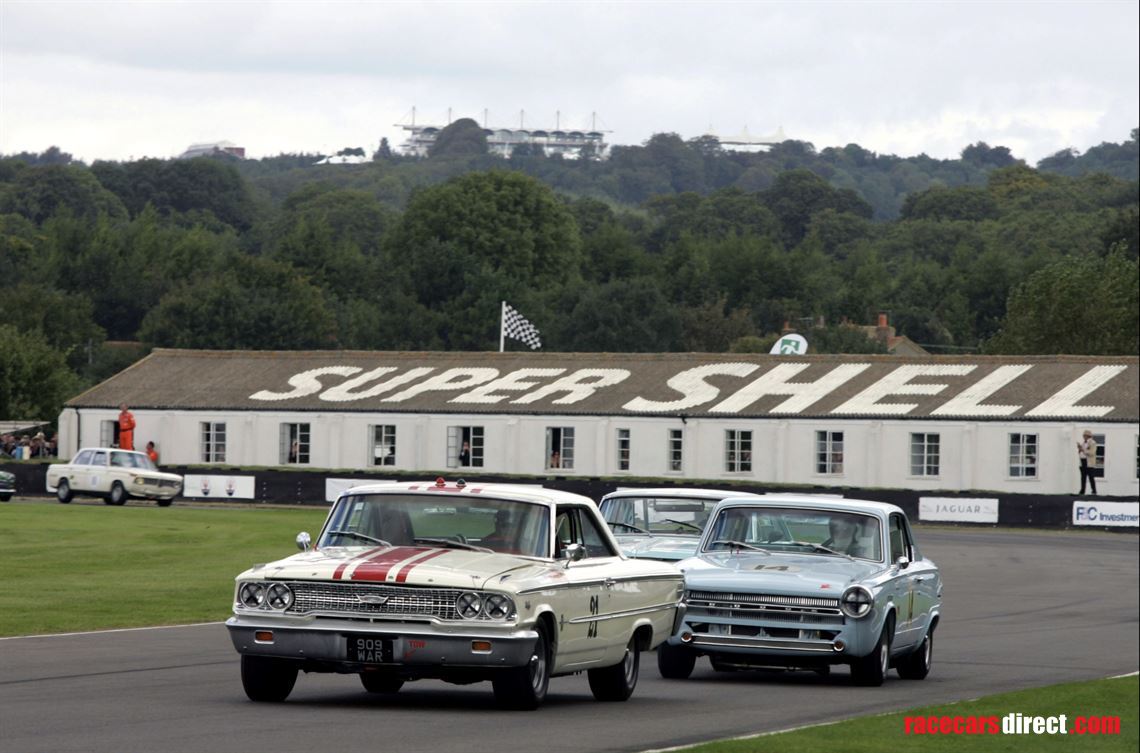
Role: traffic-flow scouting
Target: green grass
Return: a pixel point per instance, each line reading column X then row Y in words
column 1116, row 697
column 88, row 567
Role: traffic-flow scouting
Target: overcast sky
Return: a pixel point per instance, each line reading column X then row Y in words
column 117, row 80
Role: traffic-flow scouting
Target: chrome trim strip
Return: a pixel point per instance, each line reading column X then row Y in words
column 618, row 615
column 729, row 641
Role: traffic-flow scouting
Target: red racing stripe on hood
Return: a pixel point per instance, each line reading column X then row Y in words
column 403, row 576
column 376, row 568
column 353, row 560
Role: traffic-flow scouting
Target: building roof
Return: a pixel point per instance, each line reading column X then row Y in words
column 723, row 385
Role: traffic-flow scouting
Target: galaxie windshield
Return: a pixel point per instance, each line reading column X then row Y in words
column 776, row 529
column 409, row 520
column 657, row 514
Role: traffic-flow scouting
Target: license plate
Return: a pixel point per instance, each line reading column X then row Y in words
column 370, row 649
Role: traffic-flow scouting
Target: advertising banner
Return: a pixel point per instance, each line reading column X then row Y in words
column 219, row 487
column 1087, row 512
column 958, row 509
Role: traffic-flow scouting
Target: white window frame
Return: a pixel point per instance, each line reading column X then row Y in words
column 212, row 444
column 302, row 432
column 107, row 432
column 737, row 450
column 624, row 444
column 560, row 439
column 675, row 457
column 830, row 451
column 926, row 449
column 382, row 445
column 476, row 436
column 1021, row 460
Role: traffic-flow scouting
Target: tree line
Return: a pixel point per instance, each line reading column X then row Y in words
column 667, row 246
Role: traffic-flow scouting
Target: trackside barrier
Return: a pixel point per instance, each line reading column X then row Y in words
column 314, row 487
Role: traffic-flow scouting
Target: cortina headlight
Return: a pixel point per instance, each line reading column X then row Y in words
column 856, row 602
column 251, row 595
column 498, row 607
column 469, row 605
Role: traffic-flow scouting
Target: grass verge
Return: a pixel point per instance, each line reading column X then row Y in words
column 88, row 567
column 1117, row 697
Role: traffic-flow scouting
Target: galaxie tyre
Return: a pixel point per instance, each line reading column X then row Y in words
column 267, row 679
column 916, row 665
column 380, row 682
column 616, row 683
column 118, row 495
column 524, row 688
column 63, row 491
column 675, row 662
column 871, row 670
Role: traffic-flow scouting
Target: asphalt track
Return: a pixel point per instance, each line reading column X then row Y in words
column 1020, row 610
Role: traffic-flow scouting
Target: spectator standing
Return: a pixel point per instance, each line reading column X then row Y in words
column 126, row 428
column 465, row 454
column 1086, row 453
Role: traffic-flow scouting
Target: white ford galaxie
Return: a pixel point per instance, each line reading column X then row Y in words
column 455, row 582
column 113, row 474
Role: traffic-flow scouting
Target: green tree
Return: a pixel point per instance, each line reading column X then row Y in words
column 40, row 192
column 34, row 377
column 463, row 138
column 1079, row 305
column 259, row 304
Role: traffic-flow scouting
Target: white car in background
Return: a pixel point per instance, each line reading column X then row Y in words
column 661, row 524
column 113, row 474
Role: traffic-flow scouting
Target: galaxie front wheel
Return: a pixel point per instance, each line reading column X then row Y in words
column 267, row 679
column 524, row 688
column 616, row 683
column 63, row 491
column 675, row 662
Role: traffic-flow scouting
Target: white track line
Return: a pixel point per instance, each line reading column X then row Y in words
column 112, row 630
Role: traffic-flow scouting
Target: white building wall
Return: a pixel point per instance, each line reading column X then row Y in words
column 973, row 455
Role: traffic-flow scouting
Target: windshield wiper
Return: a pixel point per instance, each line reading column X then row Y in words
column 821, row 548
column 739, row 545
column 683, row 523
column 453, row 544
column 631, row 527
column 359, row 535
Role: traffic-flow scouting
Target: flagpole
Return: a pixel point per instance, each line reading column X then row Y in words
column 502, row 323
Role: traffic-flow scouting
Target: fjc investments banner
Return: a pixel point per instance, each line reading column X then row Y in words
column 1115, row 514
column 219, row 487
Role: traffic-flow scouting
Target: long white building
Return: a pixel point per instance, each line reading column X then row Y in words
column 933, row 423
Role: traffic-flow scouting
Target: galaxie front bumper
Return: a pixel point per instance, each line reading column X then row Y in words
column 416, row 646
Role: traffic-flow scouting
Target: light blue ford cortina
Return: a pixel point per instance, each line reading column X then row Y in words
column 660, row 524
column 795, row 582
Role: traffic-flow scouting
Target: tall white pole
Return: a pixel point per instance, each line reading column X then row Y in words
column 502, row 324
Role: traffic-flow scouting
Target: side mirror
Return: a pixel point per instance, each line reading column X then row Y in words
column 902, row 562
column 573, row 553
column 304, row 541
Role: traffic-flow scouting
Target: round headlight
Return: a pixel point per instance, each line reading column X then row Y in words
column 469, row 605
column 856, row 602
column 279, row 596
column 251, row 594
column 498, row 607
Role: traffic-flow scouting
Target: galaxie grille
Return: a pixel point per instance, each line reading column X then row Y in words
column 358, row 599
column 815, row 609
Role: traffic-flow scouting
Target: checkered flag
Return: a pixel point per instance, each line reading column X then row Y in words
column 516, row 327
